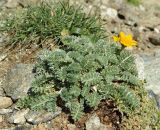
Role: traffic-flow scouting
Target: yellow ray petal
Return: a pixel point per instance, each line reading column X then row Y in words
column 115, row 38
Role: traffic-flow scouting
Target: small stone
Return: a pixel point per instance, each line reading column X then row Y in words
column 141, row 29
column 71, row 127
column 155, row 40
column 5, row 102
column 40, row 127
column 24, row 127
column 2, row 56
column 36, row 117
column 18, row 117
column 142, row 8
column 130, row 23
column 94, row 124
column 111, row 13
column 12, row 3
column 156, row 30
column 1, row 118
column 1, row 90
column 151, row 94
column 5, row 111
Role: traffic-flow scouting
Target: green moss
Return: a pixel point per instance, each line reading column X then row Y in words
column 134, row 2
column 145, row 117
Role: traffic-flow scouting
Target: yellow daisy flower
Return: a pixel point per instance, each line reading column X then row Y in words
column 125, row 40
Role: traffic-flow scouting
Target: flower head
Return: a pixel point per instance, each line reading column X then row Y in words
column 125, row 40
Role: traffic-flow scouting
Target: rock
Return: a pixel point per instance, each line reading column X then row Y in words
column 40, row 127
column 140, row 66
column 111, row 12
column 36, row 117
column 142, row 8
column 12, row 3
column 158, row 101
column 71, row 127
column 148, row 67
column 1, row 90
column 2, row 56
column 151, row 94
column 156, row 30
column 18, row 117
column 24, row 127
column 5, row 102
column 155, row 39
column 18, row 81
column 108, row 12
column 94, row 124
column 130, row 23
column 1, row 118
column 5, row 111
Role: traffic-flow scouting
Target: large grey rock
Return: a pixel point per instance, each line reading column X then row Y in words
column 140, row 66
column 18, row 81
column 36, row 117
column 94, row 124
column 148, row 65
column 5, row 102
column 18, row 117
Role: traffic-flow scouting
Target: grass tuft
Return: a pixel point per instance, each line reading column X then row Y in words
column 51, row 21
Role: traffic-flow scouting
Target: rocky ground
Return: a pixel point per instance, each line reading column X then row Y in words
column 142, row 21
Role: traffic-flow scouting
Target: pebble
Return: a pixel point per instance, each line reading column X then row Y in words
column 108, row 12
column 156, row 30
column 1, row 118
column 5, row 102
column 71, row 127
column 18, row 117
column 11, row 3
column 155, row 39
column 36, row 117
column 94, row 124
column 2, row 56
column 5, row 111
column 1, row 90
